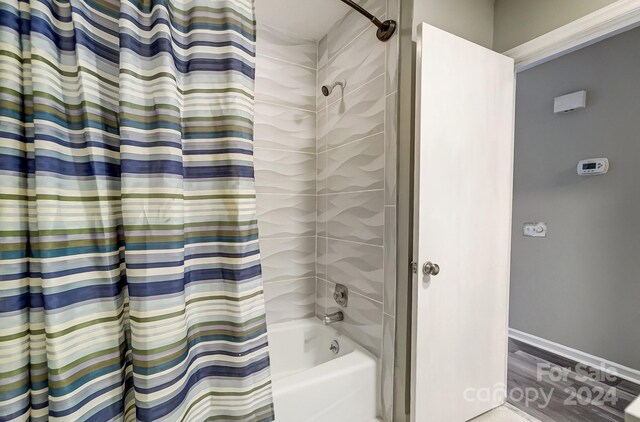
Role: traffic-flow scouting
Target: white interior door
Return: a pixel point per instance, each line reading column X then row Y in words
column 463, row 194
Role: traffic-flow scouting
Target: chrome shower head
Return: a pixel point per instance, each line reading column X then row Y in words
column 328, row 89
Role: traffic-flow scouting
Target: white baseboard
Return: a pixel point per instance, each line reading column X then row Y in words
column 520, row 413
column 622, row 371
column 632, row 413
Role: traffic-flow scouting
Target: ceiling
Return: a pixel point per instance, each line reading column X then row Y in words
column 309, row 19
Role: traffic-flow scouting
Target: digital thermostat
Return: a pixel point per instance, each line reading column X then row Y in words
column 593, row 166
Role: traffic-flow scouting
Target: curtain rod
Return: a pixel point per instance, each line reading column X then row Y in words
column 385, row 29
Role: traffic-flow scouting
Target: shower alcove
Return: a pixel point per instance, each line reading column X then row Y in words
column 326, row 196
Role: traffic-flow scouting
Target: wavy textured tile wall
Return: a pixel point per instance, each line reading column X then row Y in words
column 356, row 183
column 325, row 173
column 283, row 128
column 285, row 164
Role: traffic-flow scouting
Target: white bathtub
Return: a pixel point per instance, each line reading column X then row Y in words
column 312, row 384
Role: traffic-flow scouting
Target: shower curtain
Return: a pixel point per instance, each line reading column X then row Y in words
column 130, row 281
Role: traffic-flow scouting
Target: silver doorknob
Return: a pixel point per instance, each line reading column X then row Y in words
column 429, row 268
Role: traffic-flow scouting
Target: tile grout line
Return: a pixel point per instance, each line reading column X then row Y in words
column 288, row 280
column 326, row 198
column 351, row 191
column 285, row 194
column 384, row 186
column 286, row 61
column 322, row 304
column 288, row 34
column 315, row 149
column 270, row 103
column 283, row 150
column 356, row 140
column 286, row 238
column 350, row 241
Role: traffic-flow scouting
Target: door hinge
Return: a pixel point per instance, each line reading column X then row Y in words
column 414, row 267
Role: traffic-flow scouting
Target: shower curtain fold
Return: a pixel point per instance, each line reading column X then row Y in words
column 130, row 279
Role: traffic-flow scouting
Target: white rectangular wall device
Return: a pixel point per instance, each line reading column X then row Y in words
column 535, row 229
column 570, row 102
column 593, row 166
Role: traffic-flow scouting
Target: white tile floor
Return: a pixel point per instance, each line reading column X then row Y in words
column 503, row 414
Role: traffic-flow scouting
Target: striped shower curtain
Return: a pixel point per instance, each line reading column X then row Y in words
column 130, row 282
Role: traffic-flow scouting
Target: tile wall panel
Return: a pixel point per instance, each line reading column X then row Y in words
column 325, row 175
column 356, row 186
column 357, row 166
column 352, row 25
column 362, row 320
column 358, row 64
column 285, row 168
column 356, row 216
column 280, row 82
column 356, row 265
column 387, row 367
column 278, row 44
column 288, row 258
column 285, row 171
column 284, row 128
column 356, row 115
column 289, row 300
column 286, row 215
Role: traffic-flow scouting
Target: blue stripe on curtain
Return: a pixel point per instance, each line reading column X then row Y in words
column 121, row 299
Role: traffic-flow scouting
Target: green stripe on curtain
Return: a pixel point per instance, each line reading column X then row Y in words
column 130, row 279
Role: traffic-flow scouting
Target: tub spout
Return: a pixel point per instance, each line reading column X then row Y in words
column 331, row 318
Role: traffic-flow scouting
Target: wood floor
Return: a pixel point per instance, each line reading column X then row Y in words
column 503, row 414
column 550, row 395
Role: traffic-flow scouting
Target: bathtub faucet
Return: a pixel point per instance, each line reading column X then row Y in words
column 331, row 318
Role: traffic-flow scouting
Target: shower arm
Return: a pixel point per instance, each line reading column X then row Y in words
column 385, row 29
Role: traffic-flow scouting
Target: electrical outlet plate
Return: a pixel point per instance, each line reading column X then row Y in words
column 535, row 229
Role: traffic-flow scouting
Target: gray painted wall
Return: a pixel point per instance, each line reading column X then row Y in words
column 469, row 19
column 519, row 21
column 501, row 24
column 580, row 286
